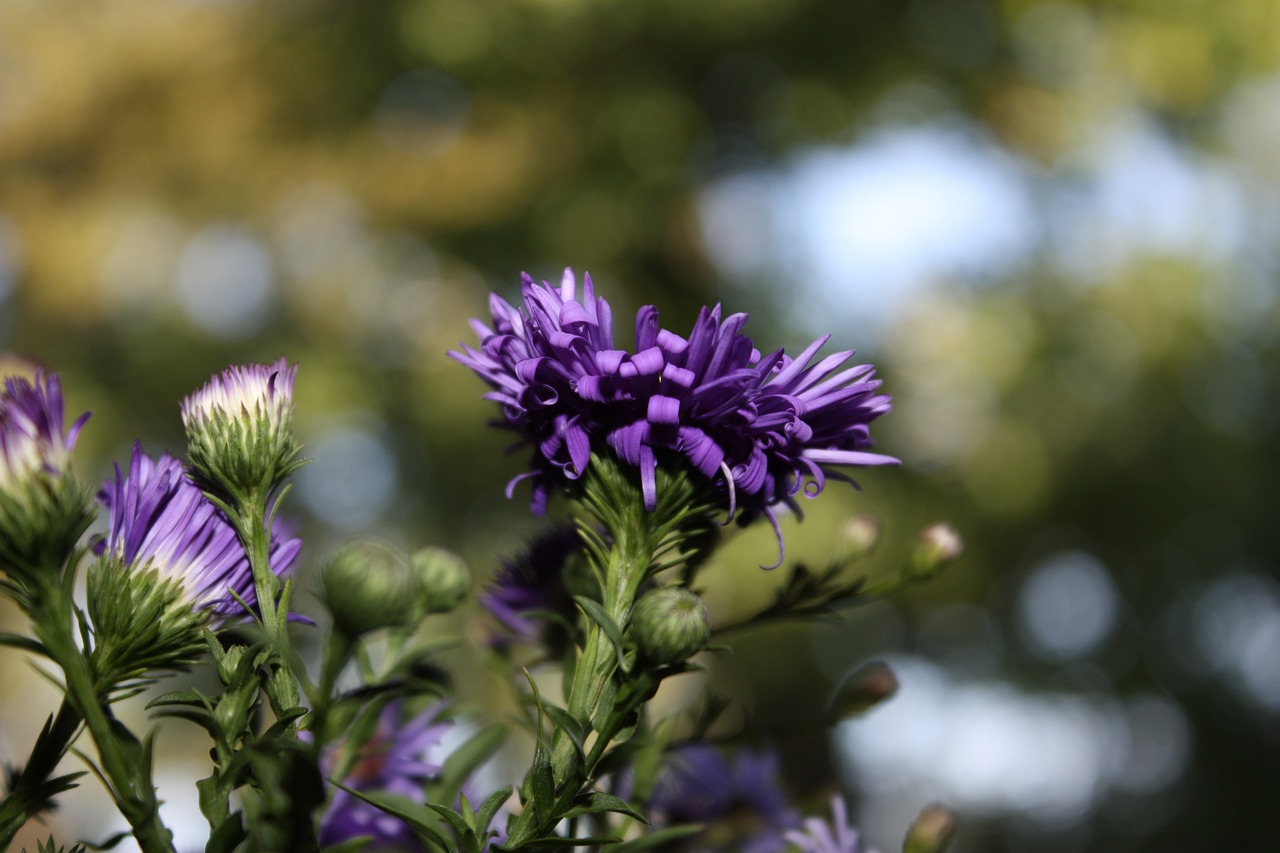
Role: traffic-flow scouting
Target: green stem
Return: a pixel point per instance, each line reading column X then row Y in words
column 25, row 801
column 282, row 686
column 120, row 754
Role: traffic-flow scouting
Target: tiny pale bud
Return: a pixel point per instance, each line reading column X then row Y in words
column 865, row 687
column 859, row 535
column 932, row 830
column 368, row 586
column 938, row 545
column 443, row 579
column 670, row 624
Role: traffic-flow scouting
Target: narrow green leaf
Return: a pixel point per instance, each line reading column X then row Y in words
column 417, row 816
column 601, row 618
column 544, row 785
column 594, row 802
column 17, row 641
column 489, row 808
column 656, row 839
column 457, row 821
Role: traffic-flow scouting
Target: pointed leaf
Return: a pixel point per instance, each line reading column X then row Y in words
column 418, row 817
column 594, row 802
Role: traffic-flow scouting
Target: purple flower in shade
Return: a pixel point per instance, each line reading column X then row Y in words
column 760, row 428
column 531, row 586
column 739, row 801
column 820, row 836
column 32, row 442
column 158, row 518
column 399, row 758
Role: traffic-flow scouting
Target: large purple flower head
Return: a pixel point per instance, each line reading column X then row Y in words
column 159, row 519
column 761, row 429
column 740, row 800
column 835, row 836
column 32, row 442
column 399, row 758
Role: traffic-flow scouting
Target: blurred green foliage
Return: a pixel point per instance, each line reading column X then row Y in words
column 356, row 176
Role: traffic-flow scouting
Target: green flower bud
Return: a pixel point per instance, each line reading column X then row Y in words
column 866, row 687
column 669, row 625
column 367, row 586
column 932, row 830
column 240, row 429
column 443, row 579
column 142, row 621
column 938, row 545
column 859, row 536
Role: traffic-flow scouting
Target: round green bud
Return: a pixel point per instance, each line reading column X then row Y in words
column 669, row 625
column 367, row 586
column 443, row 579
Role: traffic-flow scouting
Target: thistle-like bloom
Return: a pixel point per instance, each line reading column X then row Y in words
column 240, row 428
column 835, row 836
column 399, row 759
column 761, row 429
column 32, row 442
column 42, row 508
column 740, row 802
column 531, row 587
column 159, row 519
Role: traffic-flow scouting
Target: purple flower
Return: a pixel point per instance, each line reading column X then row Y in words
column 532, row 585
column 240, row 429
column 820, row 836
column 555, row 373
column 159, row 518
column 244, row 391
column 32, row 442
column 399, row 759
column 762, row 429
column 740, row 801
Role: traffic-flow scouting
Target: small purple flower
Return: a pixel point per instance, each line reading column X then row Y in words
column 740, row 801
column 532, row 585
column 820, row 836
column 399, row 759
column 32, row 442
column 159, row 518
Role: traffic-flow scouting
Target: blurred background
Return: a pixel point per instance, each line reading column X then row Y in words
column 1053, row 224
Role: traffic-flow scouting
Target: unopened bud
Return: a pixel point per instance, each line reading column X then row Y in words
column 932, row 830
column 443, row 579
column 938, row 545
column 670, row 625
column 866, row 687
column 368, row 586
column 859, row 536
